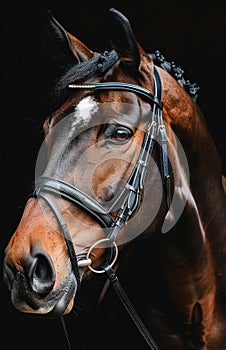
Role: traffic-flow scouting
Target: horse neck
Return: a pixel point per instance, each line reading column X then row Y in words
column 206, row 182
column 191, row 252
column 205, row 168
column 202, row 187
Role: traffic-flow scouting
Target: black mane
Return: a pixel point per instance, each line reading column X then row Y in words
column 93, row 68
column 97, row 66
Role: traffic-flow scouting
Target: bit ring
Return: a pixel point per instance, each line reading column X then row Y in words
column 104, row 240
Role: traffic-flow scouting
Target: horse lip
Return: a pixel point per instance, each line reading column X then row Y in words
column 51, row 306
column 64, row 301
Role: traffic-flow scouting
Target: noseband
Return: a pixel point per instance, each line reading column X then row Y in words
column 130, row 197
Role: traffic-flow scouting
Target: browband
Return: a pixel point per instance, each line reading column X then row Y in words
column 145, row 93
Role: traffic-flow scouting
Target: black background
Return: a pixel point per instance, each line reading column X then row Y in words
column 191, row 33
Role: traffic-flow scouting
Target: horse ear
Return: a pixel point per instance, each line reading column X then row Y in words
column 61, row 46
column 123, row 41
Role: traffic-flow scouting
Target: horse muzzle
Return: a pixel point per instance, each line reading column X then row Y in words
column 33, row 287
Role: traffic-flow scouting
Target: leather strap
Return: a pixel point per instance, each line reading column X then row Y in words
column 129, row 308
column 67, row 237
column 145, row 93
column 74, row 195
column 162, row 141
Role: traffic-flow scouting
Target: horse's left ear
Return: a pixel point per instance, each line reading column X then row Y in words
column 123, row 41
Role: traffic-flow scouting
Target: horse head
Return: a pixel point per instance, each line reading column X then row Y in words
column 94, row 140
column 121, row 144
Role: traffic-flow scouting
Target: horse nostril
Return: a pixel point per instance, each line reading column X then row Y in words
column 42, row 273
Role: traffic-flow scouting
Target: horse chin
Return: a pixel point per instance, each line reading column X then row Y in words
column 55, row 304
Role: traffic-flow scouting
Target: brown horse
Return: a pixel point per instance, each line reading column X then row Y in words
column 133, row 185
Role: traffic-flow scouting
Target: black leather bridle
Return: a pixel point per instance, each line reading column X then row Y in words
column 130, row 196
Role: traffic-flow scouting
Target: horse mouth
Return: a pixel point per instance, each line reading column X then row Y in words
column 52, row 305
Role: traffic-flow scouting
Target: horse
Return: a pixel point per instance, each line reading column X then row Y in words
column 132, row 197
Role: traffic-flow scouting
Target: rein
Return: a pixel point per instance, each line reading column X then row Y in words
column 130, row 197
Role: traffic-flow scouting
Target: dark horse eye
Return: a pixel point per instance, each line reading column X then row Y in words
column 118, row 134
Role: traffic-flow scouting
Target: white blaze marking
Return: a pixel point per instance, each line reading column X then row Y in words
column 83, row 113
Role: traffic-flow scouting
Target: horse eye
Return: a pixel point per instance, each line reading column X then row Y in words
column 118, row 134
column 121, row 135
